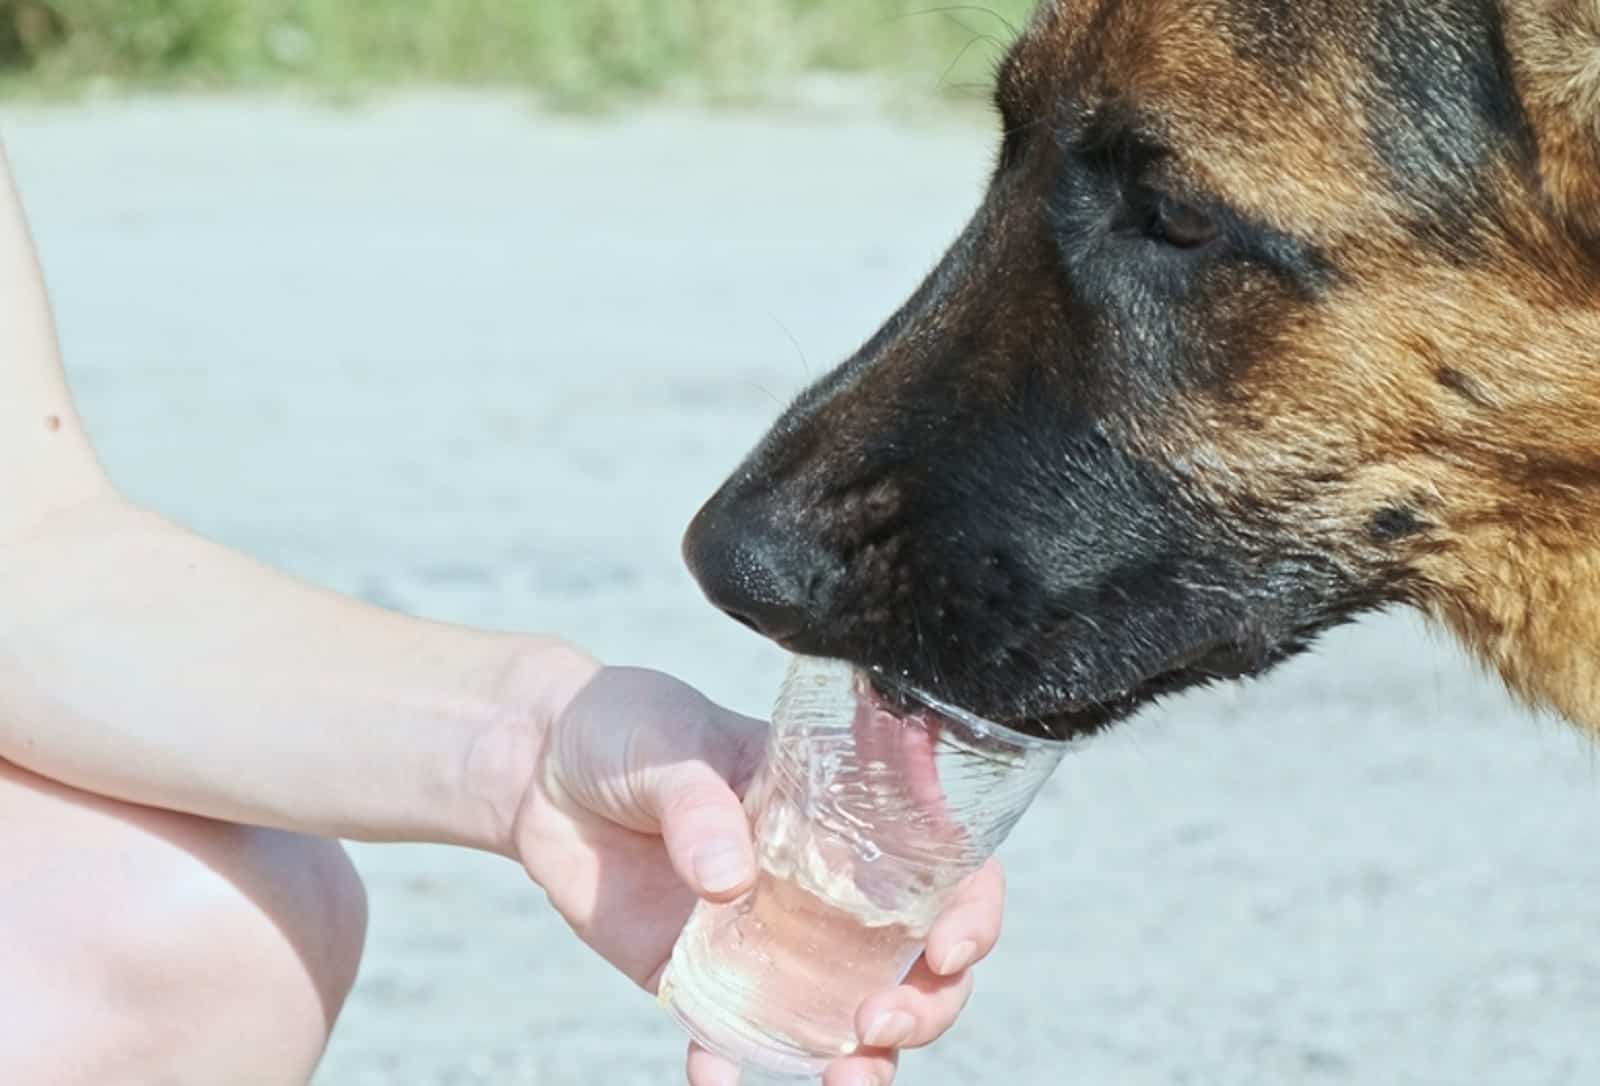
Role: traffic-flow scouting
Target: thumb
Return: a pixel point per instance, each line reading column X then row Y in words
column 704, row 826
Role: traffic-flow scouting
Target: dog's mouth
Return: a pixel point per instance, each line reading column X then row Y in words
column 1205, row 666
column 1086, row 716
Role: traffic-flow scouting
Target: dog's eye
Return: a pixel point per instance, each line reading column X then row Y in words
column 1157, row 216
column 1178, row 224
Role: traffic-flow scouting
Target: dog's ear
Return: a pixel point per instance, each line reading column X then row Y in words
column 1555, row 48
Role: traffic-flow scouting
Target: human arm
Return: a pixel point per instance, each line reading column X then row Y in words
column 141, row 661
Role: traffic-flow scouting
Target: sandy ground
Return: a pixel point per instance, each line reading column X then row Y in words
column 482, row 365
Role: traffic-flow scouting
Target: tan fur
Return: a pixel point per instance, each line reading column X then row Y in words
column 1555, row 45
column 1513, row 567
column 1505, row 465
column 1510, row 484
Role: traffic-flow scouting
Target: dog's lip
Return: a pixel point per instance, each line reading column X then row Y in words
column 898, row 695
column 901, row 700
column 893, row 694
column 1207, row 662
column 1216, row 661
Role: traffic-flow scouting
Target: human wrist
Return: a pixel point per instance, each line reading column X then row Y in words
column 540, row 679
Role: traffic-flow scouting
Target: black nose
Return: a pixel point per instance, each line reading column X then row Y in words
column 761, row 574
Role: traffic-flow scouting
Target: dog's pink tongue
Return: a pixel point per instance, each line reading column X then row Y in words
column 905, row 746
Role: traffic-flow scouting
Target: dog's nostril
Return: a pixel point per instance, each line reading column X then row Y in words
column 758, row 574
column 744, row 620
column 780, row 622
column 753, row 591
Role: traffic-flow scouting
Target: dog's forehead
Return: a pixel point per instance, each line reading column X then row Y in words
column 1117, row 45
column 1129, row 40
column 1303, row 110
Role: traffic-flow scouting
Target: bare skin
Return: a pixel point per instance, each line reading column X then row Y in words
column 185, row 732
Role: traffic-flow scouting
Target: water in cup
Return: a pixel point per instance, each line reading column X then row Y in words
column 867, row 818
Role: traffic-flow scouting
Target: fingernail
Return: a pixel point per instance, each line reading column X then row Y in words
column 890, row 1030
column 867, row 1078
column 721, row 866
column 957, row 958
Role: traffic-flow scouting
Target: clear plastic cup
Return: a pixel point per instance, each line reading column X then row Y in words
column 868, row 814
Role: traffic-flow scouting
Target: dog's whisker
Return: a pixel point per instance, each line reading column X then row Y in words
column 955, row 9
column 924, row 662
column 1017, row 130
column 977, row 92
column 769, row 394
column 805, row 363
column 985, row 38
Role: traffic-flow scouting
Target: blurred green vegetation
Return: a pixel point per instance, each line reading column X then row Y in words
column 574, row 50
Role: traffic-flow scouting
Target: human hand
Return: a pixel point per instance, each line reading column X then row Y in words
column 635, row 812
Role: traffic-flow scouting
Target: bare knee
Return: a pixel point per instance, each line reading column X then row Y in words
column 157, row 947
column 255, row 954
column 314, row 903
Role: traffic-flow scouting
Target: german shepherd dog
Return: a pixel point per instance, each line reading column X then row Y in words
column 1275, row 312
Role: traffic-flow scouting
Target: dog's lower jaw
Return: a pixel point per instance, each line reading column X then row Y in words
column 1531, row 611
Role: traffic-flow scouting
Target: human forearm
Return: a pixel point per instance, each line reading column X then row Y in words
column 141, row 662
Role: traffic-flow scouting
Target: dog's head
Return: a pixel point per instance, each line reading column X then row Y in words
column 1267, row 319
